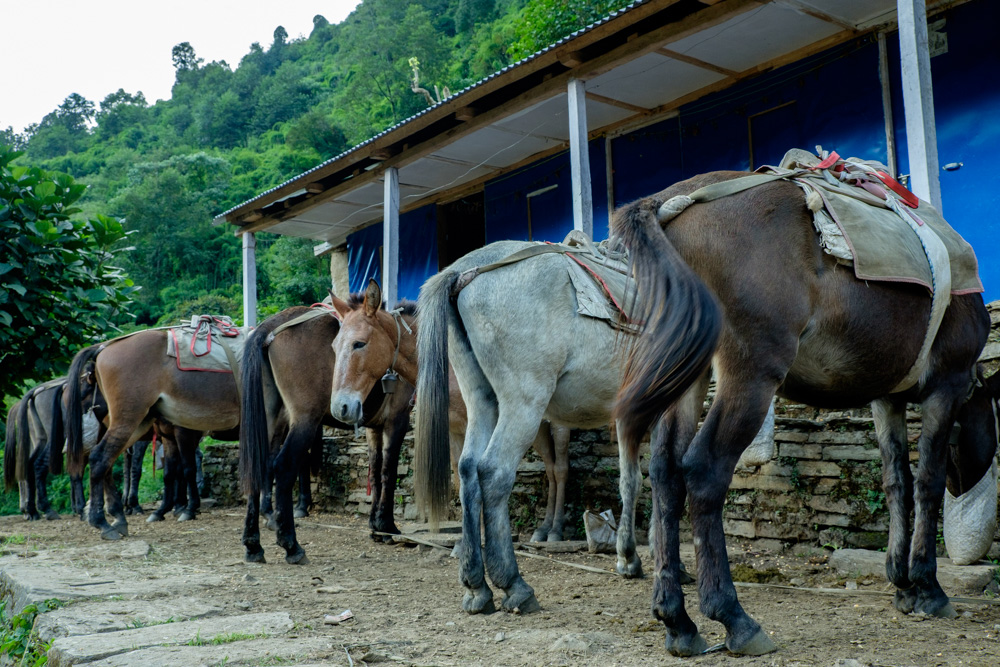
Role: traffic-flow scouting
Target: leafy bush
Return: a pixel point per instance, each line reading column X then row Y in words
column 58, row 290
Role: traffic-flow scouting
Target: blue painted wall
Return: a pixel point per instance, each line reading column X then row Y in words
column 418, row 255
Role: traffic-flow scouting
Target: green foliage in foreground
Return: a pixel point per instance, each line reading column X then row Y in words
column 58, row 290
column 18, row 639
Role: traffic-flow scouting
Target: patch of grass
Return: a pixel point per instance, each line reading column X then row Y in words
column 14, row 539
column 224, row 639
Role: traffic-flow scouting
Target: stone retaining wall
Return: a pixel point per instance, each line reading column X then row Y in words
column 823, row 486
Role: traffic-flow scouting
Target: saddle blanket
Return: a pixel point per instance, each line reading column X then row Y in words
column 201, row 344
column 860, row 226
column 602, row 278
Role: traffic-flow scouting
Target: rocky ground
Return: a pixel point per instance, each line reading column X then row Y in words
column 180, row 594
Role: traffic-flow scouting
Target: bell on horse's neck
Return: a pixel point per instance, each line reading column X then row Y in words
column 389, row 381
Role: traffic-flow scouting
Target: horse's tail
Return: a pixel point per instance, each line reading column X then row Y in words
column 73, row 416
column 57, row 432
column 10, row 446
column 254, row 443
column 431, row 457
column 681, row 320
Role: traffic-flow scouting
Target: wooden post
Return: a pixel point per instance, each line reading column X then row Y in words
column 890, row 131
column 339, row 272
column 918, row 100
column 249, row 279
column 390, row 238
column 579, row 158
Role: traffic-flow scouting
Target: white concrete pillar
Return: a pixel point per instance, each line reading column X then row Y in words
column 390, row 238
column 579, row 158
column 918, row 101
column 249, row 279
column 340, row 278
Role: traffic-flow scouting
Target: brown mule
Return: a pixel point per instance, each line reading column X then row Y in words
column 140, row 384
column 747, row 270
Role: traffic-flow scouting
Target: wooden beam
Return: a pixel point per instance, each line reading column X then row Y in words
column 674, row 55
column 571, row 59
column 890, row 130
column 610, row 101
column 314, row 188
column 466, row 113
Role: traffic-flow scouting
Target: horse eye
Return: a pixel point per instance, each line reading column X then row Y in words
column 358, row 344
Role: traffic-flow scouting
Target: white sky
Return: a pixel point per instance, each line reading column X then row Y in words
column 52, row 48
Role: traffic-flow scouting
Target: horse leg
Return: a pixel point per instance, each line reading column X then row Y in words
column 171, row 471
column 102, row 458
column 115, row 506
column 267, row 496
column 305, row 487
column 560, row 440
column 938, row 414
column 374, row 438
column 134, row 473
column 545, row 449
column 251, row 530
column 41, row 470
column 187, row 443
column 478, row 597
column 497, row 469
column 735, row 418
column 286, row 468
column 76, row 495
column 889, row 415
column 30, row 508
column 392, row 442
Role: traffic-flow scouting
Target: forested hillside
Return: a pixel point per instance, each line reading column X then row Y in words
column 232, row 130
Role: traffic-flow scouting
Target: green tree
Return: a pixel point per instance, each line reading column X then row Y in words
column 184, row 57
column 542, row 22
column 58, row 290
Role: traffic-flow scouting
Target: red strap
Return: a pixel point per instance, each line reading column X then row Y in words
column 908, row 197
column 829, row 161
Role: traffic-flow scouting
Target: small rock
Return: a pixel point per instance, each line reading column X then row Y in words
column 967, row 614
column 572, row 643
column 371, row 656
column 249, row 578
column 796, row 581
column 245, row 605
column 363, row 554
column 848, row 662
column 450, row 623
column 500, row 637
column 851, row 585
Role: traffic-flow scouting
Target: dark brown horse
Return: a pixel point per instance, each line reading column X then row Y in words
column 141, row 385
column 286, row 401
column 26, row 463
column 747, row 270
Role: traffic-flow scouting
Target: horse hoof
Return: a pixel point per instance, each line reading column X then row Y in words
column 297, row 556
column 479, row 604
column 938, row 610
column 185, row 516
column 154, row 517
column 32, row 517
column 121, row 527
column 685, row 647
column 554, row 537
column 527, row 606
column 52, row 515
column 759, row 644
column 905, row 600
column 254, row 556
column 538, row 536
column 300, row 513
column 111, row 533
column 272, row 524
column 686, row 578
column 631, row 569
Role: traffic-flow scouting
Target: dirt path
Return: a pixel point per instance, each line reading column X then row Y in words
column 407, row 601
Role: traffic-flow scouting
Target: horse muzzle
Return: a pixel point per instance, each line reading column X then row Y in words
column 347, row 408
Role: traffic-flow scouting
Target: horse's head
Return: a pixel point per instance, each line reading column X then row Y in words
column 371, row 343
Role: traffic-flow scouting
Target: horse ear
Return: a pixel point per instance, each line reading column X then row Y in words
column 339, row 305
column 373, row 298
